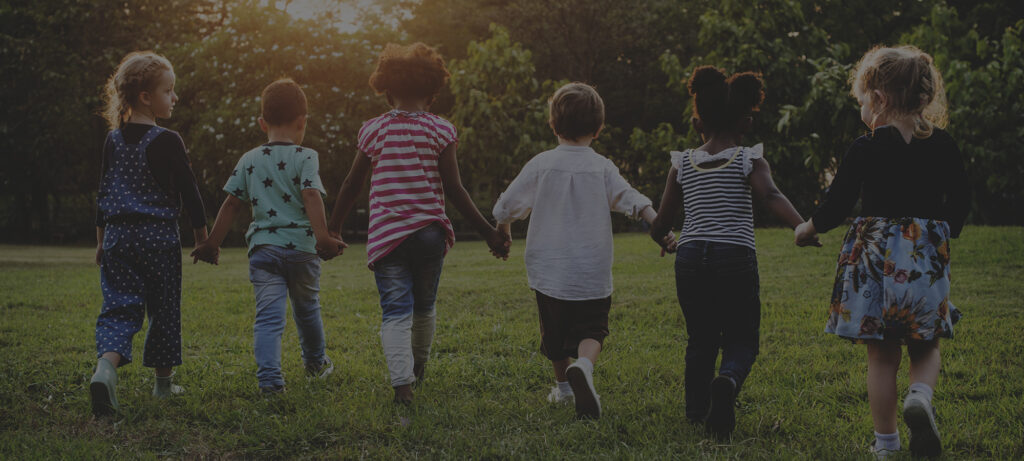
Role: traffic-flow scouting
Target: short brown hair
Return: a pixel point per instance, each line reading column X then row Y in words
column 413, row 71
column 576, row 110
column 283, row 102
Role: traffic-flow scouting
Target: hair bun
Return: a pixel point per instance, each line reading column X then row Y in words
column 746, row 90
column 706, row 78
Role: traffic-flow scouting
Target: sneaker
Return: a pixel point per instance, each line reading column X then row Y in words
column 556, row 396
column 721, row 418
column 881, row 453
column 267, row 391
column 403, row 394
column 165, row 388
column 103, row 389
column 924, row 433
column 588, row 403
column 321, row 370
column 418, row 370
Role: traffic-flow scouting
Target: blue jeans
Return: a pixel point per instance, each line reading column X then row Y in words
column 407, row 281
column 718, row 289
column 278, row 273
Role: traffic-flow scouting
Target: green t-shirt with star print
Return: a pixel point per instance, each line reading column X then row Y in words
column 271, row 178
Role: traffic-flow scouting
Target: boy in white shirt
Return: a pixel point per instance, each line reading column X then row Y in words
column 570, row 192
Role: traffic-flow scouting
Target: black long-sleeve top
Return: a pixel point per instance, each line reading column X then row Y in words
column 169, row 164
column 893, row 179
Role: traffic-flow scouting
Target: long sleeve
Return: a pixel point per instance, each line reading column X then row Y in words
column 185, row 183
column 104, row 163
column 842, row 195
column 517, row 201
column 958, row 196
column 622, row 197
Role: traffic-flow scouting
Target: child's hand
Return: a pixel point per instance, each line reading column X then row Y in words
column 330, row 247
column 806, row 235
column 499, row 242
column 206, row 252
column 668, row 243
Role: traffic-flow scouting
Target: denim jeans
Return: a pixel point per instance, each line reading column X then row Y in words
column 278, row 273
column 407, row 281
column 718, row 289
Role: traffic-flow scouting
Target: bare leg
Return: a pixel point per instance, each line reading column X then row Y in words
column 925, row 362
column 560, row 366
column 164, row 372
column 589, row 348
column 113, row 357
column 883, row 363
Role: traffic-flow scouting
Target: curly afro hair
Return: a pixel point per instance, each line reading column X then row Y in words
column 720, row 101
column 413, row 71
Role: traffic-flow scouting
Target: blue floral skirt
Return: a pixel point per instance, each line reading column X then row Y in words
column 892, row 282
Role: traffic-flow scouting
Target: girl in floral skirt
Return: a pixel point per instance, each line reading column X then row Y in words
column 892, row 277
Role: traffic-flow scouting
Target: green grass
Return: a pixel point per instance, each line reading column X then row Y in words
column 486, row 382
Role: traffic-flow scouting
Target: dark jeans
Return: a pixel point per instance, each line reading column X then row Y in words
column 718, row 289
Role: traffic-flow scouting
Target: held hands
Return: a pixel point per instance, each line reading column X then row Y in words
column 205, row 251
column 330, row 247
column 668, row 243
column 499, row 243
column 806, row 235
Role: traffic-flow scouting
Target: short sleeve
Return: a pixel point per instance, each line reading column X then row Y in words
column 678, row 160
column 237, row 184
column 749, row 155
column 310, row 175
column 446, row 133
column 368, row 140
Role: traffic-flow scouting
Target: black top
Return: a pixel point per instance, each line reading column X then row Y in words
column 169, row 164
column 922, row 179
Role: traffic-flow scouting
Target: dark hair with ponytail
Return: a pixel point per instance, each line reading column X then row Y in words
column 720, row 102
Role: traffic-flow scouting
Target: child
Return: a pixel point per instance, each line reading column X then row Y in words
column 892, row 278
column 717, row 280
column 281, row 181
column 411, row 155
column 570, row 191
column 145, row 175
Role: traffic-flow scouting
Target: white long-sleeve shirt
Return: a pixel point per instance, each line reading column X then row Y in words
column 570, row 192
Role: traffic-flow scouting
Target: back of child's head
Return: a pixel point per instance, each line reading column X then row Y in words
column 138, row 71
column 412, row 71
column 576, row 110
column 910, row 83
column 720, row 102
column 282, row 102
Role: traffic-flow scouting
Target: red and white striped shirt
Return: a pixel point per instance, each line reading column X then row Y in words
column 406, row 193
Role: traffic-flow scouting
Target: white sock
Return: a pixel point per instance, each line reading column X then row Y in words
column 889, row 442
column 923, row 389
column 585, row 364
column 564, row 387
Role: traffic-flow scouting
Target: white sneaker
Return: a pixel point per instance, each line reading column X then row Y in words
column 924, row 433
column 881, row 453
column 556, row 396
column 588, row 403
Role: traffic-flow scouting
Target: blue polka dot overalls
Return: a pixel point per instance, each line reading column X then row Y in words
column 140, row 270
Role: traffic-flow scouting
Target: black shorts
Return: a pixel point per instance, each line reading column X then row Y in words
column 563, row 324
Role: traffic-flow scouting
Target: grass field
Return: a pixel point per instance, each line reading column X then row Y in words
column 486, row 381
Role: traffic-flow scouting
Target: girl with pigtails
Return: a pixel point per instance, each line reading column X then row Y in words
column 716, row 263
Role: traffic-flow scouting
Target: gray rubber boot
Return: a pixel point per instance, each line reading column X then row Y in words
column 165, row 388
column 103, row 388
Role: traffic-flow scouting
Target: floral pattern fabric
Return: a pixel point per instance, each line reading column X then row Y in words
column 892, row 281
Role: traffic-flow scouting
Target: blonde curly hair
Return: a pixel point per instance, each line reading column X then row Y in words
column 911, row 83
column 139, row 71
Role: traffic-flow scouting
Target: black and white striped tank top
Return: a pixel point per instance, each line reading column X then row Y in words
column 717, row 203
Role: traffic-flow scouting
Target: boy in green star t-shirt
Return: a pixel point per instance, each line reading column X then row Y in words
column 287, row 237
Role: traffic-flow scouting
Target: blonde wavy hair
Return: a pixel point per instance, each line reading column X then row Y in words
column 911, row 83
column 139, row 71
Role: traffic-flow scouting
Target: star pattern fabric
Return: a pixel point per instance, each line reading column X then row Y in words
column 276, row 176
column 140, row 269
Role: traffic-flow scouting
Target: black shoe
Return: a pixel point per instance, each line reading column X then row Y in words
column 271, row 390
column 418, row 370
column 722, row 418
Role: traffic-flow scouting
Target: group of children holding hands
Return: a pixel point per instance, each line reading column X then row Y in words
column 892, row 277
